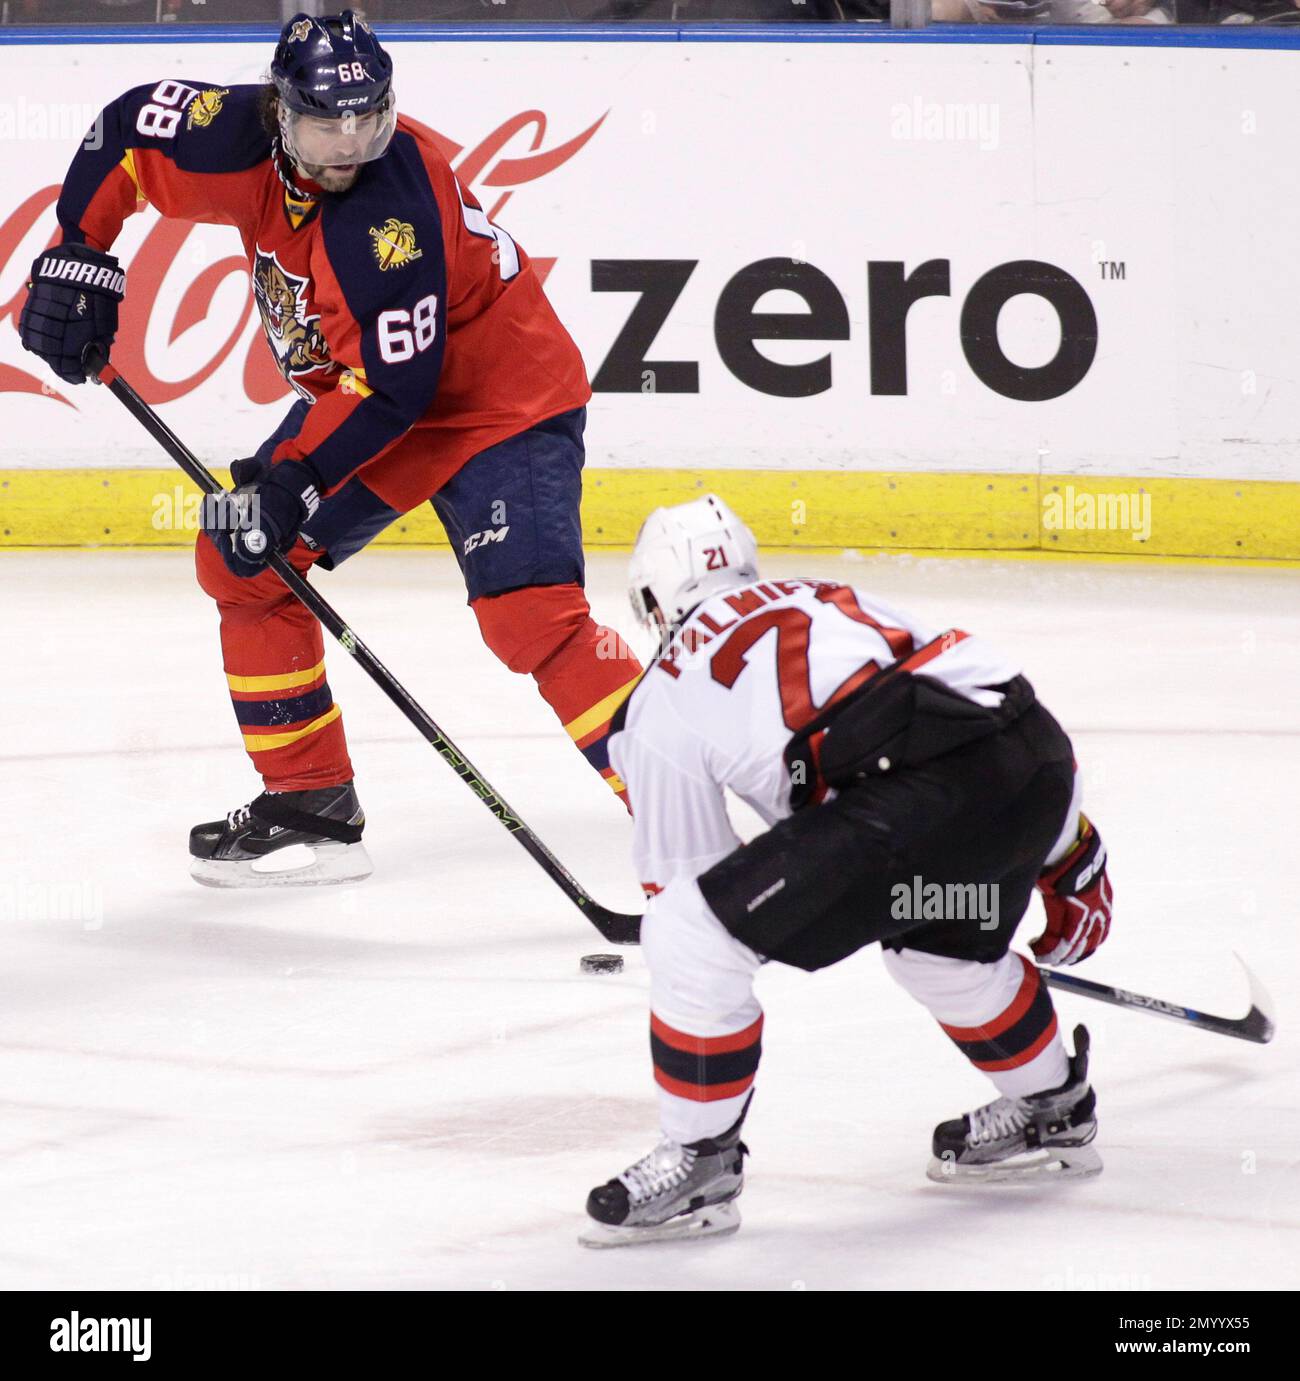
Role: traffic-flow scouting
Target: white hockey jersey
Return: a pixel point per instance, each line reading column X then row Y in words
column 746, row 670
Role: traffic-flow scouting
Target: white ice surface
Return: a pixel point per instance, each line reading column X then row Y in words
column 406, row 1083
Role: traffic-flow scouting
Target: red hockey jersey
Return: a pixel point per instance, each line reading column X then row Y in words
column 417, row 329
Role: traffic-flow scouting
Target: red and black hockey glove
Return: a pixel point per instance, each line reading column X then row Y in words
column 72, row 303
column 1077, row 898
column 261, row 517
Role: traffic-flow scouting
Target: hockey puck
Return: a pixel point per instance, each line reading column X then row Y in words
column 602, row 963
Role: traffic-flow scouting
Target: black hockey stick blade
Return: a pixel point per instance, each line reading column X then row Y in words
column 1257, row 1025
column 618, row 928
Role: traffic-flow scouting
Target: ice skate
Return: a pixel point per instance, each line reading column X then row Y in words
column 673, row 1194
column 284, row 839
column 1039, row 1137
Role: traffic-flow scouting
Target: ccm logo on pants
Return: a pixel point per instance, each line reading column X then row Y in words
column 481, row 539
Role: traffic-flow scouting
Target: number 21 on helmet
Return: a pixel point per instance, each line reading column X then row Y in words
column 683, row 555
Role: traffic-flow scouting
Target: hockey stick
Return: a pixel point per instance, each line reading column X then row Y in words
column 618, row 928
column 615, row 926
column 1257, row 1025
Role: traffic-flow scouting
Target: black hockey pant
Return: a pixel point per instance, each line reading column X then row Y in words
column 823, row 883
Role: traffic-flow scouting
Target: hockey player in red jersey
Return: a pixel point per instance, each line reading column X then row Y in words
column 916, row 793
column 428, row 364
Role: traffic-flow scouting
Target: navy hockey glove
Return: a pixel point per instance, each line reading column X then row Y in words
column 248, row 471
column 262, row 516
column 72, row 303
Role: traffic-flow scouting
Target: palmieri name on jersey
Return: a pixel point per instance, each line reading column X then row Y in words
column 846, row 621
column 746, row 670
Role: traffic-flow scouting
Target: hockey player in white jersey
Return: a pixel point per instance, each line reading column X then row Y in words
column 916, row 793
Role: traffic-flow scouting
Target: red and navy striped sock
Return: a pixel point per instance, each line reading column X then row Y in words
column 704, row 1081
column 1019, row 1046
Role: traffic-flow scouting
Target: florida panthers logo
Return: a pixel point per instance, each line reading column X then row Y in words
column 294, row 336
column 299, row 32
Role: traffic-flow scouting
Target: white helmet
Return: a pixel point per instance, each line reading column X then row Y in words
column 686, row 553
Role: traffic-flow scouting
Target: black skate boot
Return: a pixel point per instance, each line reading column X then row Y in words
column 322, row 827
column 1041, row 1136
column 675, row 1192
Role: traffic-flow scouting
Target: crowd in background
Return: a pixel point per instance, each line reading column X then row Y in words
column 658, row 11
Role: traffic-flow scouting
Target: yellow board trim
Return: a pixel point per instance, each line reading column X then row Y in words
column 275, row 683
column 262, row 743
column 600, row 711
column 801, row 509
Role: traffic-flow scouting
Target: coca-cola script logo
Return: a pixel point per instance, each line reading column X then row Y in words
column 485, row 169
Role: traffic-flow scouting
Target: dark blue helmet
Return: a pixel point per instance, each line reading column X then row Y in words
column 330, row 66
column 335, row 88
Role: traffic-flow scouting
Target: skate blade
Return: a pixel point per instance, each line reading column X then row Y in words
column 718, row 1220
column 1054, row 1163
column 328, row 864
